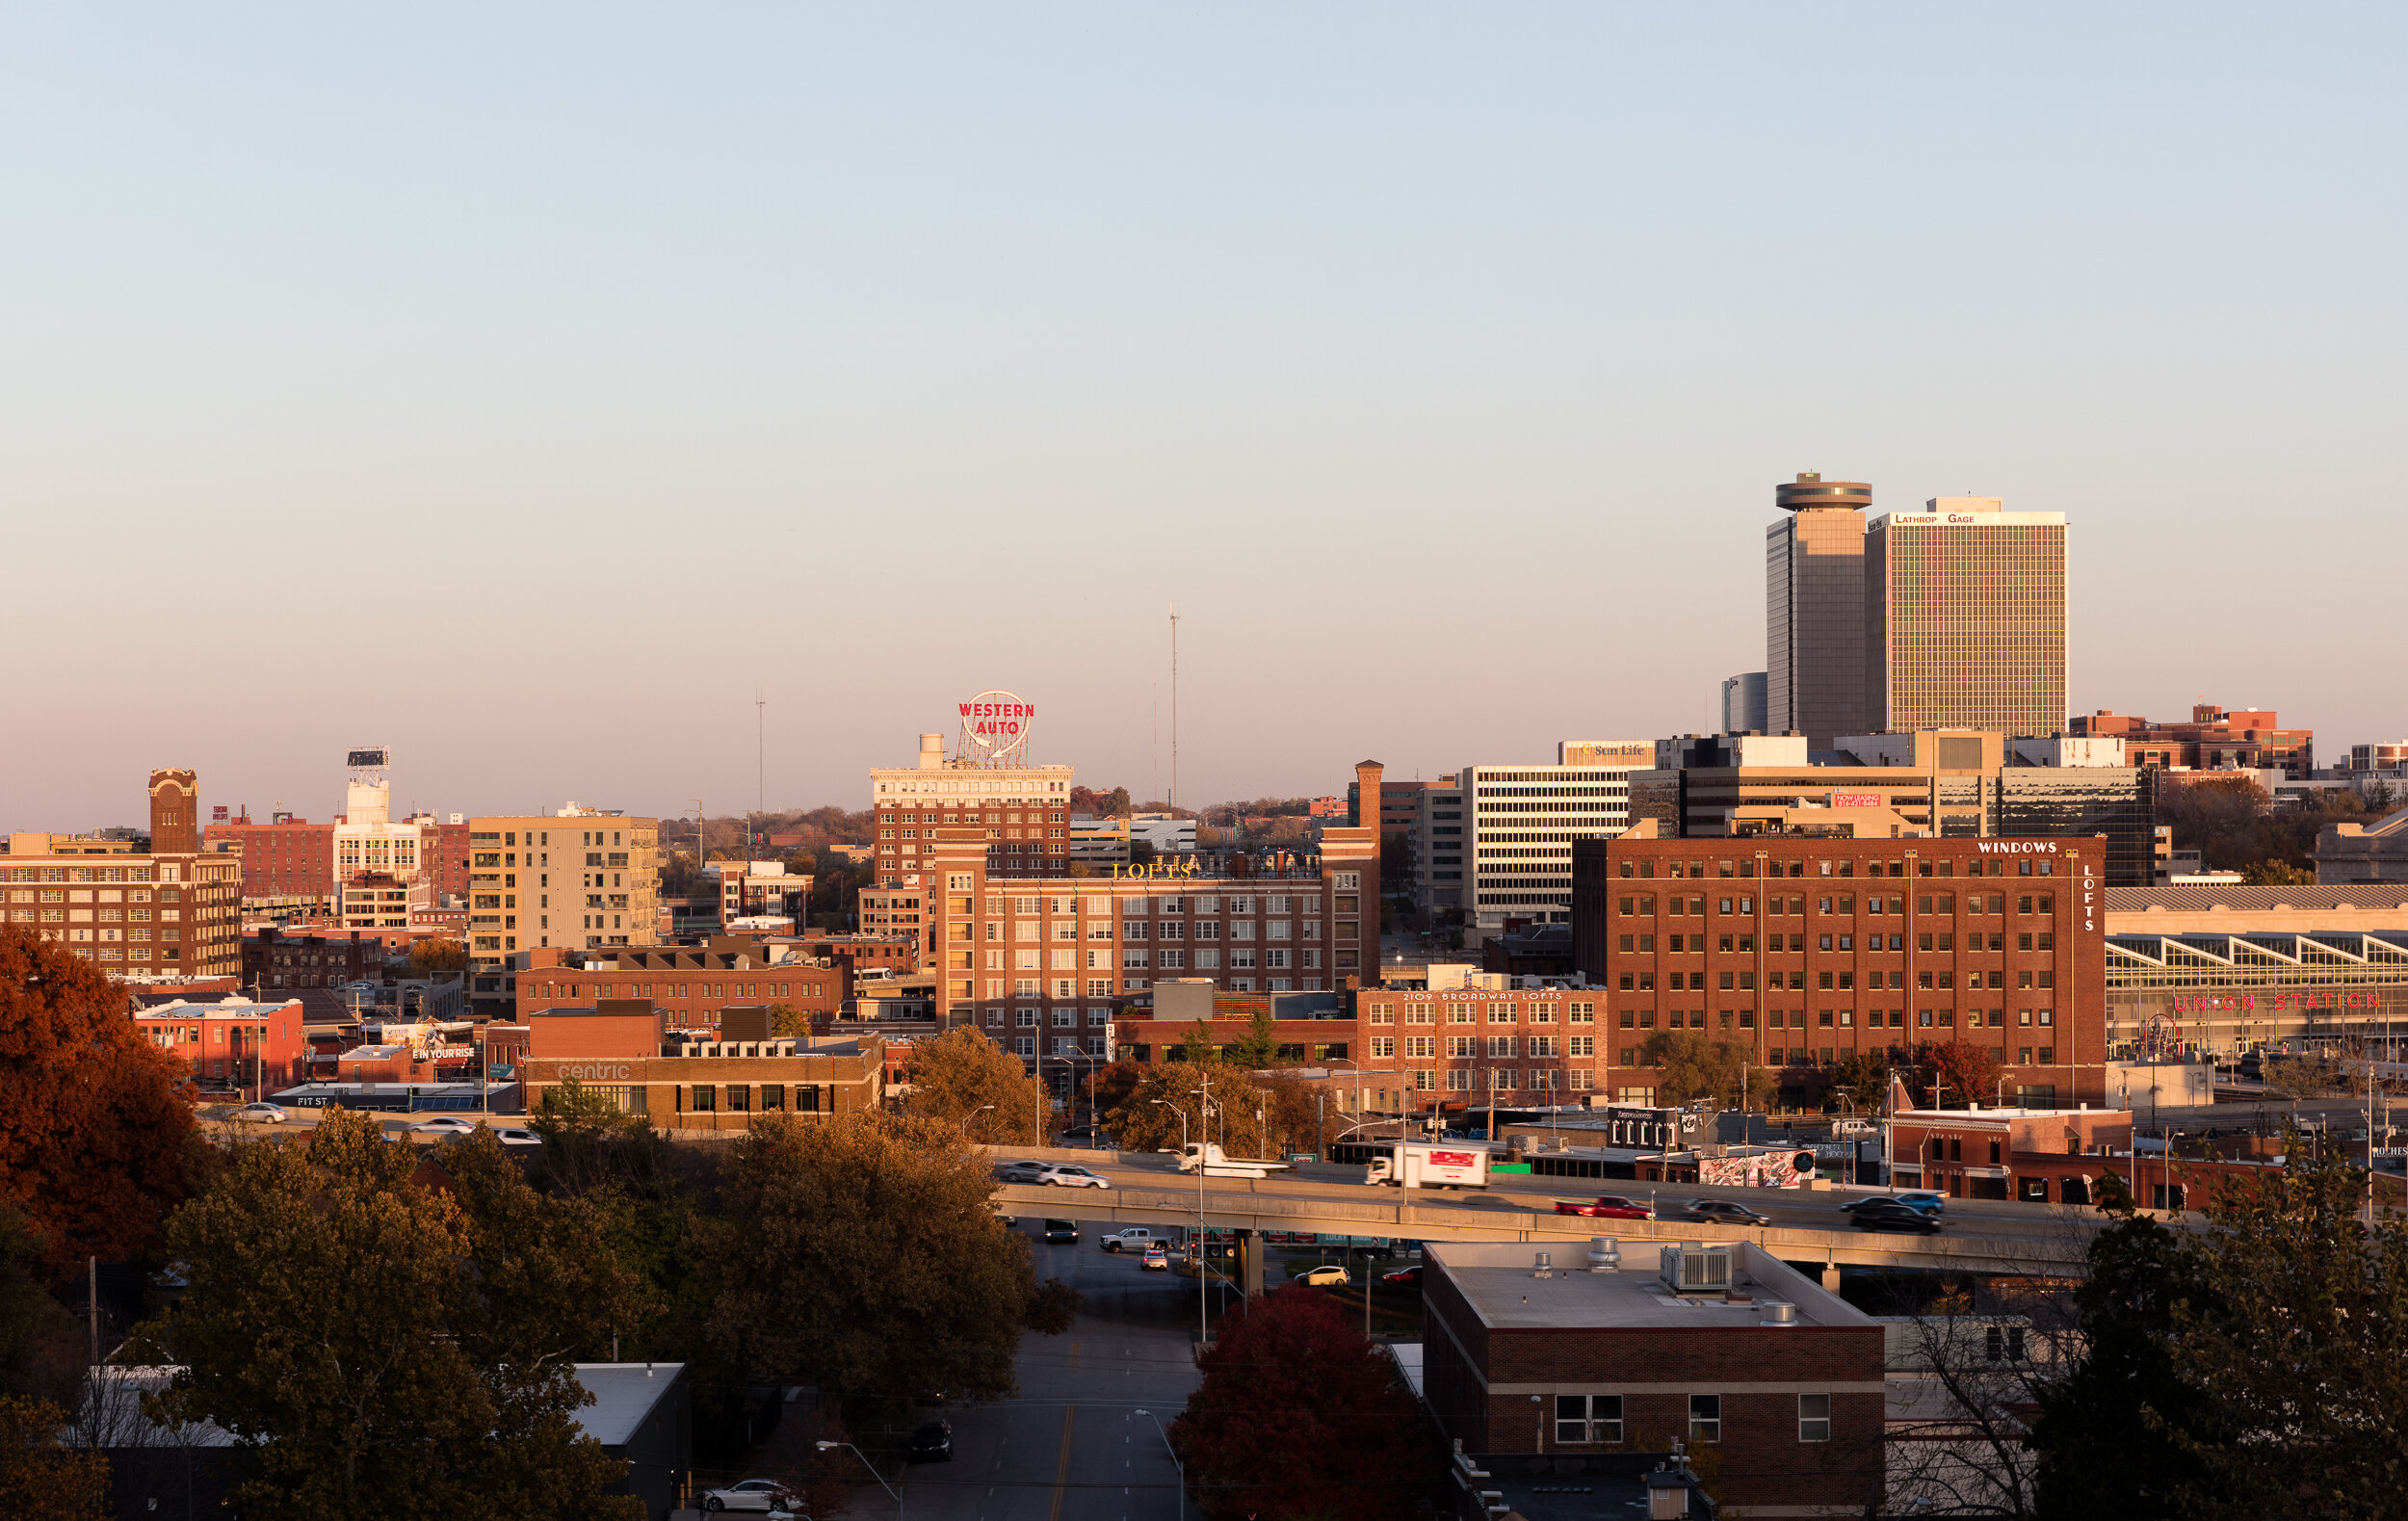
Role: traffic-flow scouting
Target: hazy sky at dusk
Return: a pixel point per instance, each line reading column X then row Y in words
column 522, row 389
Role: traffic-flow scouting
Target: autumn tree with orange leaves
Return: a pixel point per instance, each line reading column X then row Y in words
column 96, row 1142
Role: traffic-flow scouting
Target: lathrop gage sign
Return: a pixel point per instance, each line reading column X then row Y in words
column 995, row 729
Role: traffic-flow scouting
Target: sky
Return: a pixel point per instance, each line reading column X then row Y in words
column 534, row 389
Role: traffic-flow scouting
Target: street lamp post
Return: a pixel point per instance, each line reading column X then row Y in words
column 1203, row 1306
column 829, row 1447
column 973, row 1114
column 1176, row 1467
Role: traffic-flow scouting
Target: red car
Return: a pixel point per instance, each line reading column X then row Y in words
column 1606, row 1206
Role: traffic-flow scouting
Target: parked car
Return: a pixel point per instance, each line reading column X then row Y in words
column 932, row 1442
column 1061, row 1230
column 1157, row 1259
column 1136, row 1237
column 1063, row 1174
column 1884, row 1214
column 448, row 1125
column 261, row 1113
column 1404, row 1277
column 1927, row 1203
column 1328, row 1275
column 1606, row 1206
column 1722, row 1212
column 752, row 1494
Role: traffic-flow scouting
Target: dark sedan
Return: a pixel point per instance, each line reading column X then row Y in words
column 1890, row 1215
column 1722, row 1212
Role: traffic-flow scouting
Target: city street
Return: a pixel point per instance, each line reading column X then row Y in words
column 1071, row 1446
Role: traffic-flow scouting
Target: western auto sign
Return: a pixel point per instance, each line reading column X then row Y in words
column 995, row 725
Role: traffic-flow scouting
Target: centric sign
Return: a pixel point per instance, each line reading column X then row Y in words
column 995, row 729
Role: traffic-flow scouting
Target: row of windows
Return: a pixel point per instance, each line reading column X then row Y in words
column 2025, row 981
column 1589, row 1420
column 1745, row 944
column 1498, row 1012
column 1842, row 904
column 2025, row 866
column 1829, row 1018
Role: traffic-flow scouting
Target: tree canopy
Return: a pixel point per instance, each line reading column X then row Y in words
column 393, row 1343
column 1300, row 1416
column 861, row 1254
column 96, row 1142
column 1690, row 1066
column 960, row 1072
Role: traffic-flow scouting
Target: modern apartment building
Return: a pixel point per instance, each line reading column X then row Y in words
column 579, row 879
column 1964, row 622
column 1521, row 822
column 172, row 910
column 1815, row 609
column 1806, row 951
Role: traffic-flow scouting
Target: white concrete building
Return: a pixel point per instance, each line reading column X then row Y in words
column 1519, row 823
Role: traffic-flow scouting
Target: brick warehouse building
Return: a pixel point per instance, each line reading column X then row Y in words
column 172, row 909
column 689, row 984
column 1807, row 949
column 626, row 1050
column 1775, row 1383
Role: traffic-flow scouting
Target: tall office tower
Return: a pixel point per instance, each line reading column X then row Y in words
column 1965, row 618
column 1815, row 610
column 1741, row 710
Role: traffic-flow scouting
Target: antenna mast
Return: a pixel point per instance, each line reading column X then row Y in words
column 1174, row 800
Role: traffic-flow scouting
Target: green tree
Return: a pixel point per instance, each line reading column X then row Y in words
column 1862, row 1078
column 442, row 954
column 1299, row 1417
column 1147, row 1120
column 42, row 1349
column 1198, row 1047
column 41, row 1478
column 960, row 1072
column 860, row 1254
column 387, row 1349
column 787, row 1022
column 2278, row 873
column 1690, row 1066
column 96, row 1142
column 1258, row 1048
column 2104, row 1435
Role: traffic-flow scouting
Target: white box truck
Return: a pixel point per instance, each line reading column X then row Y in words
column 1430, row 1164
column 1219, row 1165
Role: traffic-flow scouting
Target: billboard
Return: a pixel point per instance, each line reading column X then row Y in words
column 373, row 757
column 1857, row 799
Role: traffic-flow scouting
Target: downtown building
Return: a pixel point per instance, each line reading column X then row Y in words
column 581, row 878
column 167, row 912
column 1807, row 949
column 1520, row 823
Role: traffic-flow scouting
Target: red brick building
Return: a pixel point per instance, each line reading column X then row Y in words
column 2244, row 739
column 231, row 1045
column 1779, row 1378
column 286, row 857
column 1806, row 950
column 632, row 1056
column 691, row 985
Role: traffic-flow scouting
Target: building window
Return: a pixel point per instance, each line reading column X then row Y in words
column 1705, row 1418
column 1582, row 1418
column 1814, row 1415
column 705, row 1098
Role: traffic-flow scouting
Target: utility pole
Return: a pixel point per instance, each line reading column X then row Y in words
column 1173, row 798
column 760, row 767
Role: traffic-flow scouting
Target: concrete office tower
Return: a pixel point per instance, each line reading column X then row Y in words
column 1815, row 610
column 1965, row 618
column 1743, row 707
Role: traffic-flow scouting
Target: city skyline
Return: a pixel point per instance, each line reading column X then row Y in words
column 869, row 362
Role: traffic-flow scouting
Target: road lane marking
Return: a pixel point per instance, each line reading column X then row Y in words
column 1061, row 1468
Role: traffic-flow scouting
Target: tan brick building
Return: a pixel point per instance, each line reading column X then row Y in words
column 581, row 879
column 625, row 1051
column 172, row 909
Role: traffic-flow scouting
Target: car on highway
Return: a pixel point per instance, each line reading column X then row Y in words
column 1884, row 1214
column 1020, row 1171
column 932, row 1442
column 1606, row 1206
column 1916, row 1200
column 1157, row 1259
column 1136, row 1237
column 1328, row 1275
column 1721, row 1212
column 261, row 1113
column 511, row 1136
column 1059, row 1230
column 751, row 1494
column 448, row 1125
column 1067, row 1175
column 1404, row 1277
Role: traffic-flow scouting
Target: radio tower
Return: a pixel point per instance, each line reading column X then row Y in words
column 1173, row 798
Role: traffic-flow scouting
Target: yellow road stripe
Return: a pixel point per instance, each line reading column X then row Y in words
column 1061, row 1469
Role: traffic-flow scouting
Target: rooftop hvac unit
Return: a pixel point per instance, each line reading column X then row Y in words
column 1696, row 1269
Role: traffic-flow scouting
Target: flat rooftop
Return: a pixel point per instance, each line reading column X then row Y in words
column 1495, row 1280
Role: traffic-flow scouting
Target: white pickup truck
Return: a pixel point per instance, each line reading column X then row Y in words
column 1219, row 1165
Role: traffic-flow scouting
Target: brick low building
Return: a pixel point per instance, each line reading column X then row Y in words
column 625, row 1051
column 1773, row 1383
column 231, row 1043
column 1805, row 950
column 689, row 984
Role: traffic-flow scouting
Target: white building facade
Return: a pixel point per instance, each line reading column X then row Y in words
column 1519, row 823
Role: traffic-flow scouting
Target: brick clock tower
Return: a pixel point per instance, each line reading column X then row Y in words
column 174, row 813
